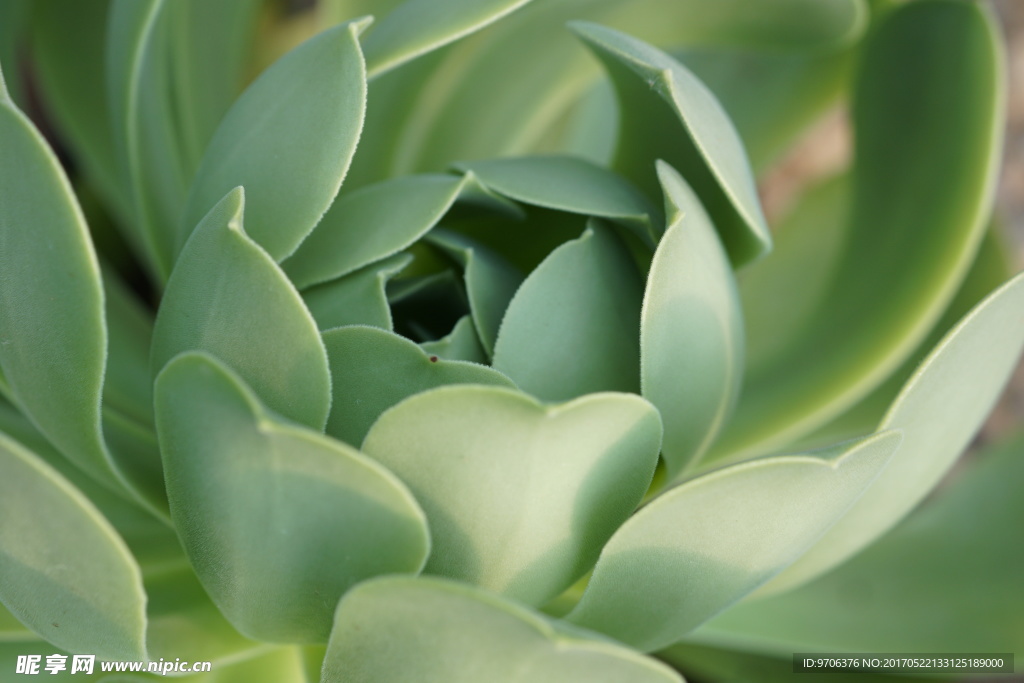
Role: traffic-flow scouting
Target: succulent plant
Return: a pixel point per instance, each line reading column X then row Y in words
column 447, row 346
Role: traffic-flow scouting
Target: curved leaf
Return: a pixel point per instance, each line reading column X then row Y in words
column 959, row 555
column 374, row 369
column 305, row 112
column 67, row 574
column 433, row 631
column 701, row 546
column 127, row 386
column 569, row 184
column 977, row 358
column 520, row 496
column 919, row 208
column 226, row 296
column 653, row 87
column 691, row 329
column 571, row 329
column 491, row 282
column 418, row 26
column 53, row 340
column 462, row 343
column 278, row 521
column 359, row 298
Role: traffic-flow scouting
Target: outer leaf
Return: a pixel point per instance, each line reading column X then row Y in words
column 571, row 328
column 374, row 369
column 278, row 521
column 359, row 298
column 373, row 223
column 709, row 153
column 491, row 282
column 67, row 575
column 228, row 297
column 977, row 358
column 569, row 184
column 891, row 286
column 418, row 26
column 691, row 330
column 702, row 546
column 462, row 343
column 959, row 556
column 52, row 335
column 306, row 113
column 434, row 631
column 520, row 496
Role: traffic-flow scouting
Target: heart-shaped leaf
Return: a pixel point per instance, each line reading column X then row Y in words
column 419, row 26
column 374, row 369
column 305, row 112
column 278, row 521
column 67, row 574
column 571, row 329
column 490, row 281
column 703, row 545
column 569, row 184
column 359, row 298
column 520, row 496
column 653, row 88
column 691, row 330
column 226, row 296
column 889, row 288
column 433, row 631
column 977, row 357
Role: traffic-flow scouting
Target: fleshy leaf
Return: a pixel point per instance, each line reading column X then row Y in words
column 977, row 358
column 703, row 545
column 359, row 298
column 305, row 112
column 53, row 340
column 278, row 521
column 491, row 282
column 520, row 496
column 434, row 631
column 569, row 184
column 67, row 574
column 226, row 296
column 375, row 222
column 419, row 26
column 374, row 369
column 653, row 87
column 462, row 343
column 957, row 556
column 691, row 329
column 571, row 329
column 890, row 286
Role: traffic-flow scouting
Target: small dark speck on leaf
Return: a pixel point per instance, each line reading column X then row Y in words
column 433, row 359
column 55, row 624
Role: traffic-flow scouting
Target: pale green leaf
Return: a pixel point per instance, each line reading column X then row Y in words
column 67, row 574
column 305, row 112
column 434, row 631
column 703, row 545
column 278, row 521
column 490, row 281
column 374, row 369
column 569, row 184
column 571, row 329
column 418, row 26
column 691, row 330
column 226, row 296
column 520, row 496
column 921, row 196
column 946, row 580
column 53, row 340
column 462, row 343
column 939, row 410
column 359, row 298
column 707, row 150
